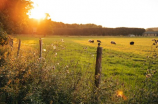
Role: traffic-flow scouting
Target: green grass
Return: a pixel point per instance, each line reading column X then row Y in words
column 65, row 74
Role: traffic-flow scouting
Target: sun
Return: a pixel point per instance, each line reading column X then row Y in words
column 37, row 12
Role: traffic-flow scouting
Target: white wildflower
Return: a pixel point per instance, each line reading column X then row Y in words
column 44, row 50
column 67, row 66
column 67, row 71
column 55, row 54
column 62, row 40
column 54, row 47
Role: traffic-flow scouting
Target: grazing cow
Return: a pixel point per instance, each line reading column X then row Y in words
column 91, row 41
column 156, row 41
column 112, row 42
column 131, row 43
column 153, row 39
column 99, row 41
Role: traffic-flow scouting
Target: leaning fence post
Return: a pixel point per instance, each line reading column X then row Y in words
column 98, row 66
column 19, row 47
column 40, row 43
column 11, row 43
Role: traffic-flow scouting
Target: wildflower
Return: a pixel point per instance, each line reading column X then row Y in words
column 67, row 71
column 44, row 50
column 120, row 94
column 148, row 75
column 57, row 63
column 55, row 54
column 66, row 66
column 54, row 47
column 62, row 40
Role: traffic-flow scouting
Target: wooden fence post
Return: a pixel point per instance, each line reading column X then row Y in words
column 11, row 43
column 98, row 66
column 19, row 47
column 40, row 43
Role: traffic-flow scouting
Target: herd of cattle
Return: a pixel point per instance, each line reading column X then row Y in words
column 112, row 42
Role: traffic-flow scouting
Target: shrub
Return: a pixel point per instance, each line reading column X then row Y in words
column 3, row 36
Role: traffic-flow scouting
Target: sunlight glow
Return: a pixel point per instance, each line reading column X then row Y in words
column 120, row 94
column 37, row 12
column 108, row 13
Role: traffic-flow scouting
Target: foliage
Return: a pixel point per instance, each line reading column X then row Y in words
column 13, row 15
column 3, row 36
column 152, row 29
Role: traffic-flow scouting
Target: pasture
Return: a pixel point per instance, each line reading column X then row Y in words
column 65, row 73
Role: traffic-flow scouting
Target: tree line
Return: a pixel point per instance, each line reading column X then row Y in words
column 98, row 31
column 49, row 27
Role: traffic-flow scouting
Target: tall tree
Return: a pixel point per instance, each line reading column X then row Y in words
column 13, row 14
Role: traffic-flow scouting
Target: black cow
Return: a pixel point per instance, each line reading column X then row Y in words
column 132, row 43
column 155, row 41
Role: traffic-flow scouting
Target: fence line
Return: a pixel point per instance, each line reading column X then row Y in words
column 97, row 66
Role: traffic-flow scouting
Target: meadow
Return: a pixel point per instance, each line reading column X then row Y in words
column 65, row 73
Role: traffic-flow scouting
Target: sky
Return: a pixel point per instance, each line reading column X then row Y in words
column 108, row 13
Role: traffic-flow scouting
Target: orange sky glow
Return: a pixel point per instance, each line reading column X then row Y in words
column 108, row 13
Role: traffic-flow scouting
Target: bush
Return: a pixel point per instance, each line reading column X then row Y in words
column 3, row 36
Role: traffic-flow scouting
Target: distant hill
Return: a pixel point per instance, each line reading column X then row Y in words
column 152, row 29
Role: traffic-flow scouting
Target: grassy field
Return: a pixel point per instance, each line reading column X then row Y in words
column 65, row 73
